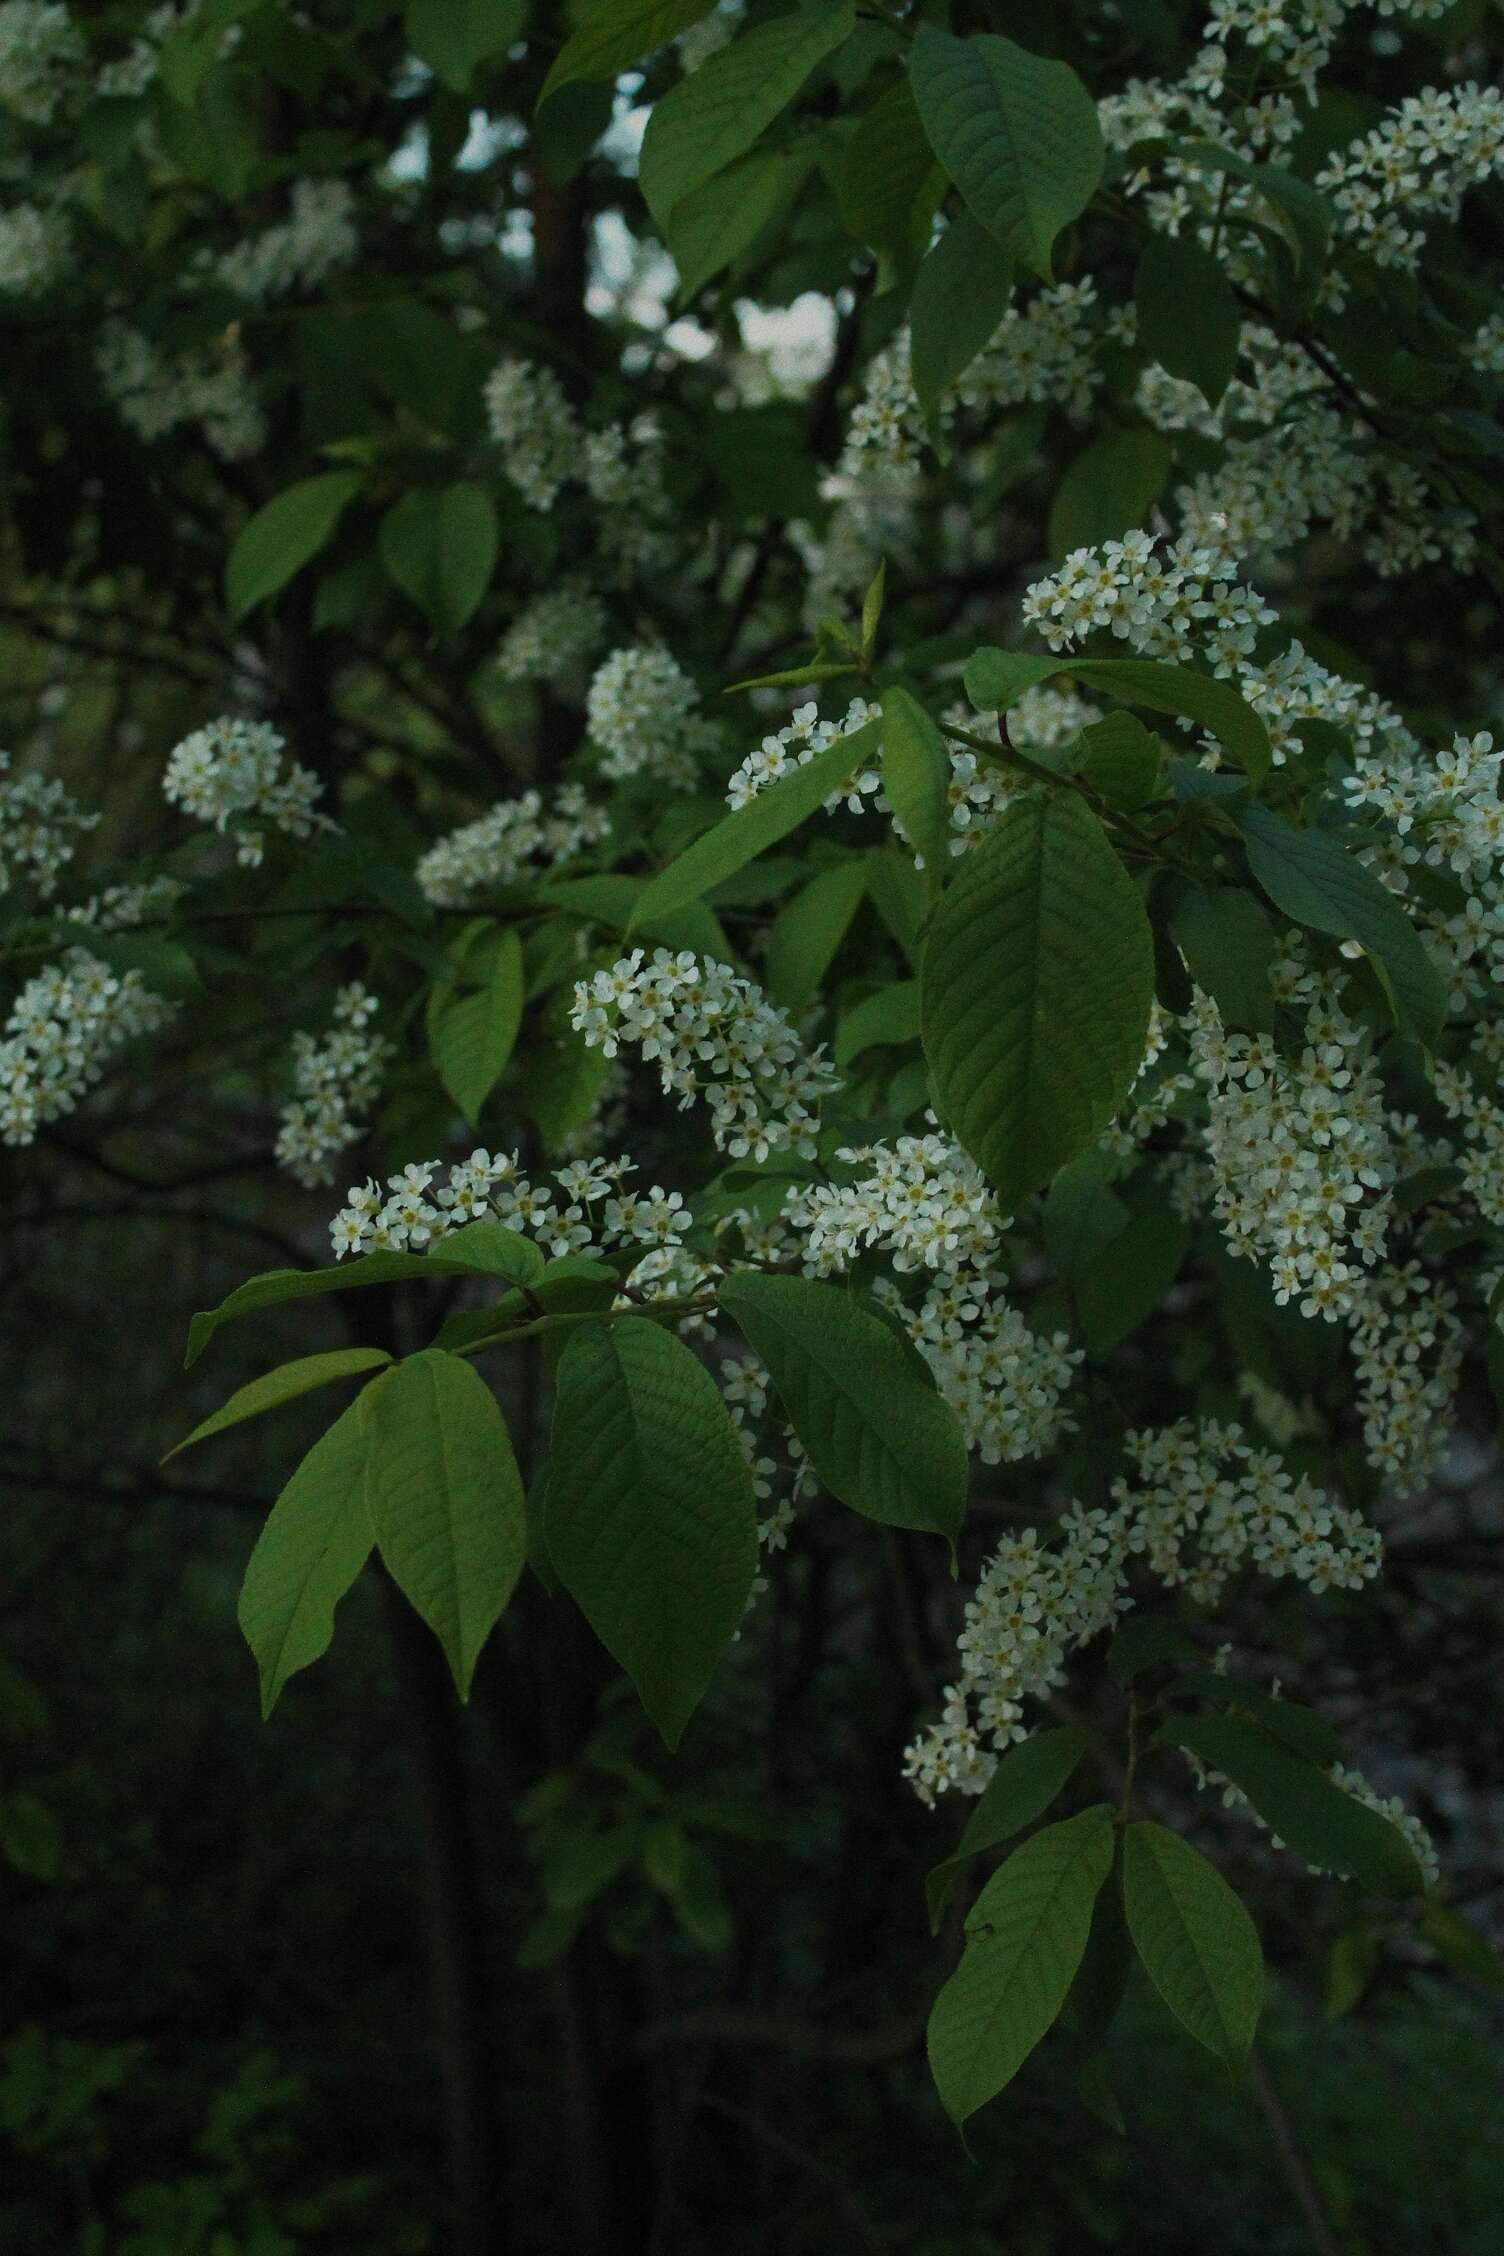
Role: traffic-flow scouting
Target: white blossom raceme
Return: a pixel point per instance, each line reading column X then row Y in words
column 231, row 770
column 336, row 1081
column 518, row 837
column 63, row 1029
column 713, row 1035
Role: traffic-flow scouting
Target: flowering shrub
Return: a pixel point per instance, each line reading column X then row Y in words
column 970, row 807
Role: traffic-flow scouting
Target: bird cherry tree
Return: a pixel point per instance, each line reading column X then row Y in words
column 818, row 678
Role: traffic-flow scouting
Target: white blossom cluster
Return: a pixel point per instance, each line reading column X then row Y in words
column 516, row 838
column 927, row 1206
column 546, row 447
column 1043, row 352
column 795, row 744
column 63, row 1029
column 640, row 713
column 231, row 769
column 593, row 1210
column 557, row 634
column 1485, row 348
column 1200, row 1504
column 1033, row 1607
column 535, row 427
column 335, row 1081
column 921, row 1200
column 1407, row 1348
column 1185, row 603
column 713, row 1035
column 1416, row 164
column 36, row 249
column 39, row 827
column 41, row 58
column 1300, row 1152
column 1152, row 601
column 156, row 392
column 125, row 908
column 318, row 235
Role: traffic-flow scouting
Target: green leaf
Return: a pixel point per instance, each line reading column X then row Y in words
column 1017, row 134
column 1082, row 1215
column 650, row 1521
column 1312, row 1815
column 453, row 36
column 1187, row 315
column 716, row 114
column 484, row 1248
column 808, row 931
column 753, row 828
column 916, row 778
column 996, row 679
column 1228, row 944
column 445, row 1500
column 1027, row 1933
column 879, row 1436
column 1198, row 1944
column 285, row 1384
column 281, row 538
column 1109, row 490
column 1310, row 875
column 886, row 180
column 439, row 545
column 716, row 222
column 1127, row 1282
column 562, row 1081
column 1022, row 1787
column 1120, row 759
column 472, row 1036
column 889, row 1016
column 961, row 292
column 613, row 899
column 1037, row 982
column 316, row 1539
column 617, row 34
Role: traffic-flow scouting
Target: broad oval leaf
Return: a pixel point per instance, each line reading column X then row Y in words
column 315, row 1541
column 485, row 1247
column 889, row 1016
column 1026, row 1936
column 650, row 1523
column 879, row 1436
column 1022, row 1787
column 618, row 33
column 808, row 932
column 916, row 778
column 1036, row 987
column 446, row 1501
column 1199, row 1947
column 472, row 1035
column 1109, row 490
column 1017, row 133
column 961, row 292
column 283, row 535
column 1309, row 1811
column 996, row 679
column 453, row 36
column 753, row 828
column 716, row 114
column 439, row 544
column 285, row 1384
column 715, row 223
column 1312, row 877
column 1188, row 318
column 886, row 180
